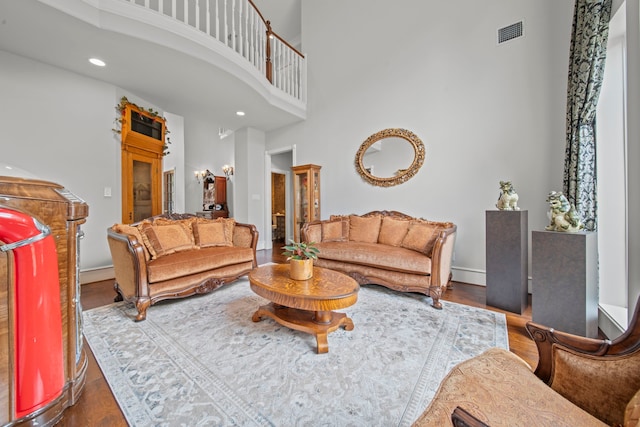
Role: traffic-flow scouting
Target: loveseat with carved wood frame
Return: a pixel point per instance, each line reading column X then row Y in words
column 578, row 382
column 178, row 255
column 387, row 248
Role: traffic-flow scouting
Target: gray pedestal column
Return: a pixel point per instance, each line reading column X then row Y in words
column 565, row 281
column 506, row 259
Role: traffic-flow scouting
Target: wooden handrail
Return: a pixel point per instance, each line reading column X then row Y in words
column 287, row 44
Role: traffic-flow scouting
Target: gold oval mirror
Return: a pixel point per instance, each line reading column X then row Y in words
column 390, row 157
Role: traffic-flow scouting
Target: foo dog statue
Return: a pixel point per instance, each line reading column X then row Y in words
column 562, row 216
column 508, row 199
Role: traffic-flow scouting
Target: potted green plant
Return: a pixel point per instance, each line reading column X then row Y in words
column 300, row 256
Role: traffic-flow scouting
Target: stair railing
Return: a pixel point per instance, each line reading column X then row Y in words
column 239, row 25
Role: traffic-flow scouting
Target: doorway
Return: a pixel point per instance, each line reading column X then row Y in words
column 278, row 208
column 278, row 164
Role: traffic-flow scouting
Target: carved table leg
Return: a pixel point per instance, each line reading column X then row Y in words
column 317, row 323
column 323, row 344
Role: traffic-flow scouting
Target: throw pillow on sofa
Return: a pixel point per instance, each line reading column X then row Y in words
column 336, row 230
column 392, row 231
column 208, row 233
column 421, row 236
column 164, row 238
column 364, row 229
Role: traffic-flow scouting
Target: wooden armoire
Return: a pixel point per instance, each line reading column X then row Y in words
column 63, row 212
column 143, row 144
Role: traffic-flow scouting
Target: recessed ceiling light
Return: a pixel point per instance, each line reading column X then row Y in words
column 97, row 62
column 239, row 113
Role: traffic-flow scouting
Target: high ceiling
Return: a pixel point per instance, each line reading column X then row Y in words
column 176, row 81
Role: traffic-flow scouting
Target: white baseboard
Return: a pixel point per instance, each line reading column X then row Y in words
column 476, row 277
column 469, row 275
column 96, row 275
column 609, row 325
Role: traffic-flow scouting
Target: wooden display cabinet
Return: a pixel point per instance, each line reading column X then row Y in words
column 143, row 143
column 306, row 193
column 214, row 197
column 63, row 213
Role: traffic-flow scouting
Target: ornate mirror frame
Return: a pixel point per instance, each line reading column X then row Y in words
column 405, row 174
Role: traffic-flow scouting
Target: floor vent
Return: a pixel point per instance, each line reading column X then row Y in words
column 510, row 32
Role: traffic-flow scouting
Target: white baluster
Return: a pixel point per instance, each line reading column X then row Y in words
column 217, row 21
column 197, row 11
column 240, row 35
column 289, row 71
column 247, row 33
column 226, row 25
column 208, row 17
column 161, row 6
column 233, row 24
column 185, row 15
column 174, row 9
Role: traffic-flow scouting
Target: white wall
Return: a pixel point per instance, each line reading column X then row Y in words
column 203, row 150
column 175, row 159
column 484, row 112
column 57, row 125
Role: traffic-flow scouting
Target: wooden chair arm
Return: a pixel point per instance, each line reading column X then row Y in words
column 545, row 338
column 441, row 257
column 461, row 418
column 129, row 263
column 253, row 231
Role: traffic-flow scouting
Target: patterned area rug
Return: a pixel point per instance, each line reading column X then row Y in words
column 201, row 361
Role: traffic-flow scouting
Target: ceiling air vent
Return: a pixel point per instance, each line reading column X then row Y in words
column 510, row 32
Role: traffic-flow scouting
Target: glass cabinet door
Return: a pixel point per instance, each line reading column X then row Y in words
column 142, row 187
column 141, row 190
column 306, row 189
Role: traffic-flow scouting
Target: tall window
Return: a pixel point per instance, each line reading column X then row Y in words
column 612, row 176
column 169, row 191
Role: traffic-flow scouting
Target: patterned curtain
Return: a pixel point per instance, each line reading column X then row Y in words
column 586, row 69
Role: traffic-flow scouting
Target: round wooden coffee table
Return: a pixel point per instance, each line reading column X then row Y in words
column 305, row 305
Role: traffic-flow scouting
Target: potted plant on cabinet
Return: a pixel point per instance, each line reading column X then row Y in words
column 300, row 256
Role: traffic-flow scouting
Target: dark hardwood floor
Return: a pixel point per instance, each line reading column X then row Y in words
column 97, row 406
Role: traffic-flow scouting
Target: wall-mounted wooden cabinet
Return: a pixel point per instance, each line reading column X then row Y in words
column 214, row 197
column 143, row 140
column 306, row 190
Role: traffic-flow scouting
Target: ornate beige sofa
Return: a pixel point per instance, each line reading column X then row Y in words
column 578, row 382
column 387, row 248
column 178, row 255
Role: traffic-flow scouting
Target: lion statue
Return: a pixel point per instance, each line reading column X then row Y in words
column 562, row 216
column 508, row 198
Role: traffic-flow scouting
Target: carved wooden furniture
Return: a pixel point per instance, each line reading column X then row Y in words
column 214, row 197
column 578, row 382
column 387, row 248
column 63, row 212
column 144, row 278
column 305, row 305
column 306, row 196
column 143, row 144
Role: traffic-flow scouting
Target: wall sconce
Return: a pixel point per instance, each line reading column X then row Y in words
column 228, row 170
column 200, row 175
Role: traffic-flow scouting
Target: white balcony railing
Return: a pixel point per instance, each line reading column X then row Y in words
column 239, row 25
